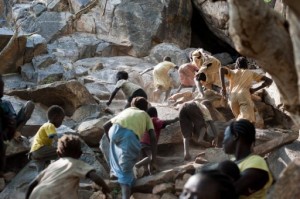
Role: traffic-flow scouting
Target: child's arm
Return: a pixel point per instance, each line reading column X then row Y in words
column 98, row 180
column 33, row 184
column 168, row 122
column 106, row 127
column 113, row 94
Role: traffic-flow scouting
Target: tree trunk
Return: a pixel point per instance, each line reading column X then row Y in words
column 260, row 33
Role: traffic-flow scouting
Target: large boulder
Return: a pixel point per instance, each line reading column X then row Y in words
column 216, row 15
column 69, row 95
column 287, row 186
column 12, row 53
column 145, row 23
column 49, row 25
column 91, row 131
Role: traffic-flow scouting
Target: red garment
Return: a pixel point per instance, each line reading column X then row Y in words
column 187, row 73
column 158, row 125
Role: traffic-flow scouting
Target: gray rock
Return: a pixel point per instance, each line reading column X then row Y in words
column 57, row 5
column 43, row 61
column 38, row 9
column 69, row 95
column 77, row 5
column 20, row 11
column 91, row 131
column 53, row 73
column 49, row 24
column 28, row 73
column 216, row 15
column 173, row 51
column 132, row 17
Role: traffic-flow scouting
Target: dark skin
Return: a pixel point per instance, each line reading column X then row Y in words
column 92, row 175
column 113, row 94
column 251, row 179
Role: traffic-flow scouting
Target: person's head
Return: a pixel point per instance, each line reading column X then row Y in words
column 1, row 86
column 167, row 58
column 230, row 169
column 140, row 103
column 239, row 133
column 241, row 63
column 209, row 184
column 56, row 115
column 152, row 111
column 69, row 146
column 122, row 75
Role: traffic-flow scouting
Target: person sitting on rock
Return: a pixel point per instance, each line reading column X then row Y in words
column 145, row 140
column 161, row 79
column 256, row 177
column 42, row 150
column 240, row 82
column 194, row 118
column 125, row 131
column 130, row 89
column 209, row 184
column 10, row 125
column 61, row 178
column 187, row 74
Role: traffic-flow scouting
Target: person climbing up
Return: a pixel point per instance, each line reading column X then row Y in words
column 11, row 123
column 187, row 74
column 208, row 73
column 255, row 178
column 145, row 140
column 240, row 82
column 61, row 178
column 209, row 184
column 125, row 131
column 130, row 89
column 161, row 79
column 42, row 150
column 195, row 118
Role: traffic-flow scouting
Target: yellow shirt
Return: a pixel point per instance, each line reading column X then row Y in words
column 256, row 162
column 241, row 79
column 42, row 136
column 160, row 75
column 134, row 119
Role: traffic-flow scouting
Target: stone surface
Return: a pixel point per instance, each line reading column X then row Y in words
column 144, row 196
column 69, row 95
column 91, row 131
column 287, row 186
column 163, row 188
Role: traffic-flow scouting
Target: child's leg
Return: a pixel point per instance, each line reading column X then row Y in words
column 126, row 192
column 42, row 155
column 186, row 146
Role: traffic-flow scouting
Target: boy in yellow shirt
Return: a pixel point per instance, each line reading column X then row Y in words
column 42, row 149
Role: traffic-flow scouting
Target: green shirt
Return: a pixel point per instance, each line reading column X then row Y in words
column 134, row 119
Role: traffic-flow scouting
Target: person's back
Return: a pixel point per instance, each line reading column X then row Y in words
column 61, row 178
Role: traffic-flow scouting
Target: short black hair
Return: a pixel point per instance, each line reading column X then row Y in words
column 225, row 186
column 167, row 58
column 230, row 169
column 244, row 129
column 152, row 111
column 122, row 75
column 242, row 62
column 69, row 146
column 140, row 103
column 55, row 111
